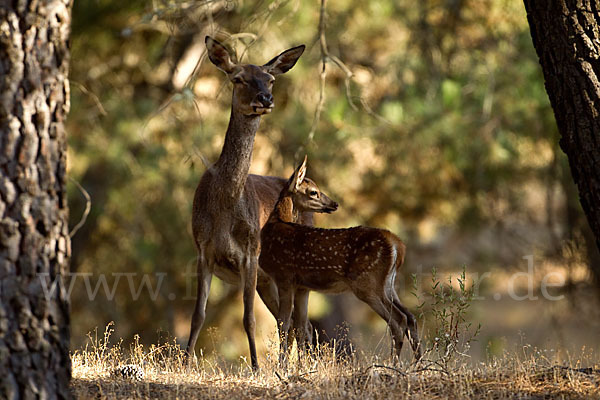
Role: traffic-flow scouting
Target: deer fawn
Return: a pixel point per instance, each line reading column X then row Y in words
column 362, row 260
column 231, row 206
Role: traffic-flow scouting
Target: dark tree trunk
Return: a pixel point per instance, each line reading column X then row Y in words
column 34, row 236
column 566, row 37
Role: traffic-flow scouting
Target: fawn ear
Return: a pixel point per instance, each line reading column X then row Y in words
column 285, row 61
column 219, row 55
column 298, row 176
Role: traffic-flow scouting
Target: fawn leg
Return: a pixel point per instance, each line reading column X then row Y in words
column 399, row 321
column 302, row 326
column 267, row 290
column 286, row 304
column 383, row 307
column 411, row 333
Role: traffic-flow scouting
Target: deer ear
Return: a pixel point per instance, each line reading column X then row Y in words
column 297, row 177
column 285, row 61
column 301, row 173
column 219, row 55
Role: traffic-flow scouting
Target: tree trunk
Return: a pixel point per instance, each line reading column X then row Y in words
column 566, row 37
column 34, row 235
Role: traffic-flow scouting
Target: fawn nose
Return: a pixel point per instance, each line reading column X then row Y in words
column 331, row 207
column 266, row 99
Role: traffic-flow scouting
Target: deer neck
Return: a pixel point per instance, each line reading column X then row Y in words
column 285, row 211
column 236, row 156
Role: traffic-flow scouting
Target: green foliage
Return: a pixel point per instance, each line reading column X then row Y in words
column 447, row 309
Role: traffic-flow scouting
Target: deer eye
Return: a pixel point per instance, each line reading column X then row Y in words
column 313, row 193
column 237, row 80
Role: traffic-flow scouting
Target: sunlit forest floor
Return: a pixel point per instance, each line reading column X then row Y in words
column 159, row 371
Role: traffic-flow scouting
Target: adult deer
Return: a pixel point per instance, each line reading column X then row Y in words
column 362, row 260
column 231, row 206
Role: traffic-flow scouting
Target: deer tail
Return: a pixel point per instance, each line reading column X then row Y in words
column 400, row 251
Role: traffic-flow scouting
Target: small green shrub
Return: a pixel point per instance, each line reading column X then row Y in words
column 446, row 307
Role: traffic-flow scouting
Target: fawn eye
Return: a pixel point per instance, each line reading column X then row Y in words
column 313, row 193
column 237, row 80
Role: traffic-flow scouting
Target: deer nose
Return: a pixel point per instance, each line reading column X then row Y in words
column 266, row 99
column 331, row 207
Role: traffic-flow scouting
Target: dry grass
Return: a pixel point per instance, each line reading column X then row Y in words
column 529, row 374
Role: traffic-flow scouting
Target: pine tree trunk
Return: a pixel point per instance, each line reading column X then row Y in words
column 34, row 236
column 566, row 37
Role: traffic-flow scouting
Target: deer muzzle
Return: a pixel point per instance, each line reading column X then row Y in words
column 263, row 103
column 329, row 208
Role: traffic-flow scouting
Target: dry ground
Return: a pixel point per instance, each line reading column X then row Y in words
column 526, row 374
column 374, row 383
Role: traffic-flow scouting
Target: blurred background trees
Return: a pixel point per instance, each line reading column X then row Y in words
column 443, row 134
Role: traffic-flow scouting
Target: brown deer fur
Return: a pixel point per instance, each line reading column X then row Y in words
column 230, row 206
column 361, row 260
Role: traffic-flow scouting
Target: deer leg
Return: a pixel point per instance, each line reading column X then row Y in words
column 406, row 319
column 249, row 287
column 286, row 304
column 383, row 307
column 204, row 280
column 398, row 325
column 302, row 326
column 267, row 290
column 401, row 321
column 411, row 333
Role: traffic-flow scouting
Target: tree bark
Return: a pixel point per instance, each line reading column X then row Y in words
column 34, row 235
column 566, row 36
